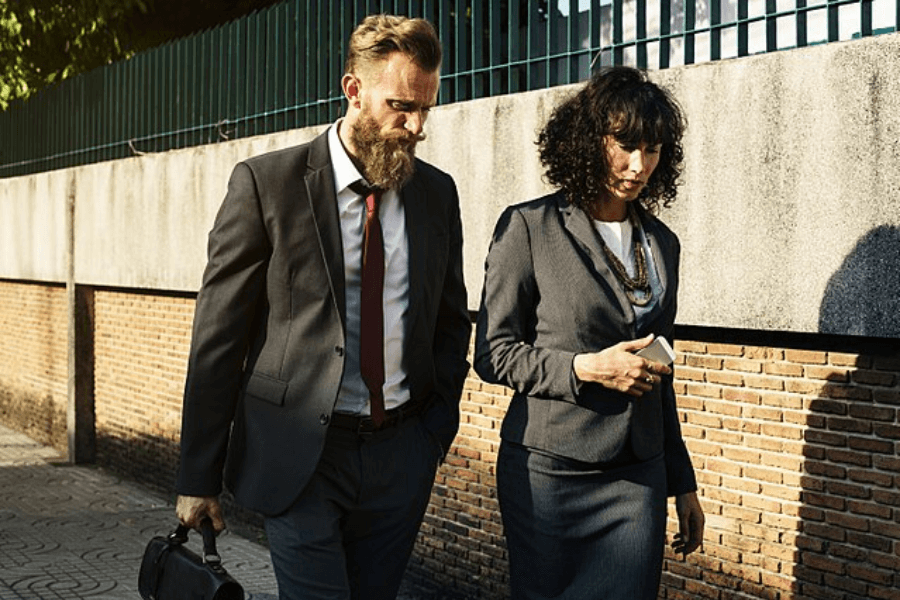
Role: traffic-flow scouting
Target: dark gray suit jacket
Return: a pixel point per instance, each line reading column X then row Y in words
column 267, row 353
column 549, row 295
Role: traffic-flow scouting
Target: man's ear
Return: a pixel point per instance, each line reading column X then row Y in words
column 350, row 83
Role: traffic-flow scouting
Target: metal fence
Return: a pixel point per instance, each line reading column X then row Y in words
column 280, row 68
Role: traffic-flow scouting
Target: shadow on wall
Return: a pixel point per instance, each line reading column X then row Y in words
column 850, row 503
column 863, row 296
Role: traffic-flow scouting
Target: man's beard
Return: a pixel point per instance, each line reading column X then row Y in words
column 388, row 162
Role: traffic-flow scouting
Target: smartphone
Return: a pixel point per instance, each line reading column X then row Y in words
column 659, row 351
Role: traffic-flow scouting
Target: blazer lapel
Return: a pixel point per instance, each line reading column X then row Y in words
column 323, row 207
column 582, row 230
column 663, row 255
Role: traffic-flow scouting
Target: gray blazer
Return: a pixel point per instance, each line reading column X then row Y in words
column 549, row 295
column 267, row 353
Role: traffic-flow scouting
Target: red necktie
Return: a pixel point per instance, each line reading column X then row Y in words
column 371, row 333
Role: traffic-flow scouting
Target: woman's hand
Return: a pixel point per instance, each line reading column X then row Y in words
column 690, row 524
column 618, row 368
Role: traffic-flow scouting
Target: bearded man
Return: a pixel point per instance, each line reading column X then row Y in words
column 330, row 334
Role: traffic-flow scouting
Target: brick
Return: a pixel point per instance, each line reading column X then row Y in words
column 703, row 390
column 806, row 357
column 822, row 563
column 725, row 378
column 741, row 395
column 764, row 382
column 815, row 436
column 722, row 408
column 703, row 448
column 849, row 392
column 884, row 430
column 847, row 490
column 686, row 346
column 885, row 561
column 828, row 373
column 783, row 369
column 782, row 400
column 825, row 469
column 743, row 365
column 879, row 378
column 867, row 540
column 718, row 436
column 725, row 467
column 704, row 362
column 891, row 397
column 872, row 478
column 885, row 497
column 824, row 531
column 725, row 349
column 846, row 583
column 704, row 420
column 782, row 431
column 849, row 457
column 848, row 425
column 873, row 412
column 764, row 413
column 887, row 463
column 802, row 386
column 849, row 360
column 741, row 425
column 690, row 374
column 887, row 362
column 827, row 406
column 847, row 521
column 760, row 474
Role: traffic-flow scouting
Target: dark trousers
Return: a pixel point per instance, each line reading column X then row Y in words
column 351, row 532
column 578, row 531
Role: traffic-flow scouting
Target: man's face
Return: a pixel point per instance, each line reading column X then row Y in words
column 388, row 111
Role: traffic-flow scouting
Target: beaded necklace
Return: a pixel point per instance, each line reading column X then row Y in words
column 641, row 282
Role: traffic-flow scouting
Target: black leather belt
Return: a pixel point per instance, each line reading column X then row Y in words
column 364, row 424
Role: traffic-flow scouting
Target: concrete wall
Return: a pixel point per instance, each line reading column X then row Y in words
column 789, row 213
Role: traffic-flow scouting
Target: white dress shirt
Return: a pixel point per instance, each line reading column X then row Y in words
column 353, row 397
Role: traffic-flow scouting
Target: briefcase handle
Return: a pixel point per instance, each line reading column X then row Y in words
column 210, row 554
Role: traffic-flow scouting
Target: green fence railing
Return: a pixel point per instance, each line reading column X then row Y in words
column 280, row 68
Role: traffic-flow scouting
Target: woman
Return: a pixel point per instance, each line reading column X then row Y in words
column 577, row 282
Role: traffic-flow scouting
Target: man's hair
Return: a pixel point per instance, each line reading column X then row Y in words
column 623, row 103
column 378, row 36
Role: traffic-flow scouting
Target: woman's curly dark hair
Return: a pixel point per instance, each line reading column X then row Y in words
column 624, row 103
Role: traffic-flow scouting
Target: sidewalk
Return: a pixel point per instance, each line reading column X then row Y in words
column 70, row 532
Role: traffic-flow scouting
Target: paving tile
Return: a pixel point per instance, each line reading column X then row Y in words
column 79, row 532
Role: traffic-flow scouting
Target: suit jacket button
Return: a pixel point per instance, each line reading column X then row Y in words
column 339, row 350
column 323, row 419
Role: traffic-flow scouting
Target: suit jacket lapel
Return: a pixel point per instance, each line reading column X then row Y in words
column 323, row 206
column 581, row 228
column 664, row 256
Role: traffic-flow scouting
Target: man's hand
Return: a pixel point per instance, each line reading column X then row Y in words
column 617, row 368
column 190, row 510
column 690, row 524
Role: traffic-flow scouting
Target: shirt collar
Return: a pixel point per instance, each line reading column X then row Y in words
column 345, row 172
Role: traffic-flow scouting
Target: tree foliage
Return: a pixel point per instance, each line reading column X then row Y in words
column 43, row 42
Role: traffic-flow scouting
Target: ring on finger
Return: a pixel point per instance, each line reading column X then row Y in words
column 649, row 379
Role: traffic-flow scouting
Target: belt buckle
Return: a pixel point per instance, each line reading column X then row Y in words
column 366, row 428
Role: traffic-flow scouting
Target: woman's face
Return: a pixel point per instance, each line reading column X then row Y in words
column 630, row 167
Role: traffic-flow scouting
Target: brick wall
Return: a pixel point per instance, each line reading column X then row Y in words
column 796, row 458
column 33, row 360
column 796, row 448
column 141, row 349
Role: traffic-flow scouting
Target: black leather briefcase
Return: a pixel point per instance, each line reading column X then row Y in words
column 169, row 571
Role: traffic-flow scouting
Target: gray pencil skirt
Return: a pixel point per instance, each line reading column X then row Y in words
column 578, row 532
